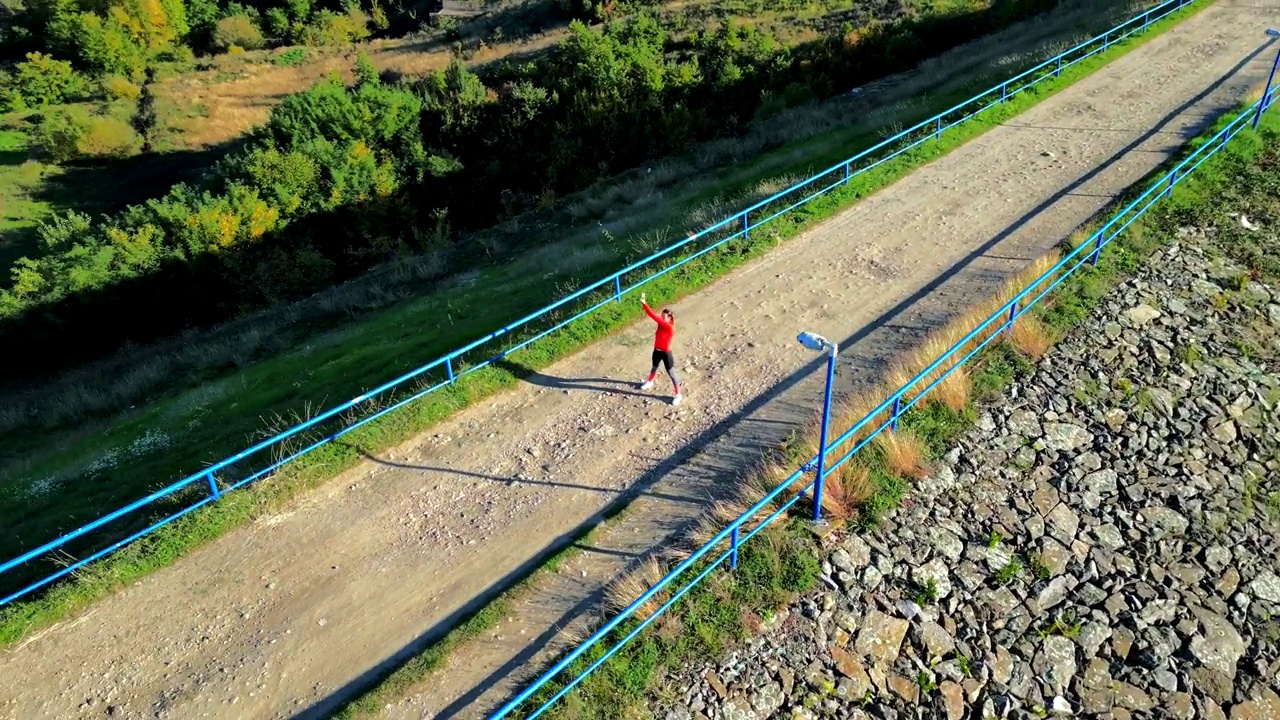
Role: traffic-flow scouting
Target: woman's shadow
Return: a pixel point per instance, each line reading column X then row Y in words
column 597, row 384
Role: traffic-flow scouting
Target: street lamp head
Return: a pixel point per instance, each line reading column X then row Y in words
column 1273, row 32
column 814, row 342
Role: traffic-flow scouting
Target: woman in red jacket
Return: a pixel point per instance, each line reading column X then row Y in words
column 662, row 348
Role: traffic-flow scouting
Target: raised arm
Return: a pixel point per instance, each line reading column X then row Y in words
column 653, row 315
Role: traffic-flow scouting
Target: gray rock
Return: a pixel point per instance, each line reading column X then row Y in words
column 1102, row 482
column 1266, row 586
column 1002, row 600
column 952, row 697
column 1220, row 647
column 936, row 571
column 1056, row 662
column 947, row 544
column 1053, row 593
column 1024, row 423
column 1223, row 430
column 1095, row 687
column 1091, row 638
column 1063, row 523
column 738, row 709
column 881, row 637
column 1165, row 522
column 1142, row 314
column 937, row 642
column 1133, row 698
column 1065, row 437
column 859, row 553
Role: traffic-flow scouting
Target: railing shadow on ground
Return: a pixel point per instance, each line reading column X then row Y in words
column 862, row 432
column 850, row 343
column 243, row 468
column 533, row 482
column 533, row 376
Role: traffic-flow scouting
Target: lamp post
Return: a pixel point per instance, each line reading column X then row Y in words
column 817, row 343
column 1266, row 94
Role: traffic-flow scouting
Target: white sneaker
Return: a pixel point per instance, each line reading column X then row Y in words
column 676, row 400
column 646, row 385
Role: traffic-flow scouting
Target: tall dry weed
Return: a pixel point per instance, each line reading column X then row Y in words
column 1031, row 337
column 845, row 489
column 628, row 588
column 904, row 454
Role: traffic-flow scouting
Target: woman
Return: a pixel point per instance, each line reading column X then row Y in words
column 662, row 348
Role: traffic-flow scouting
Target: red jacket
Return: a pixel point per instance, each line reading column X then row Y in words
column 661, row 341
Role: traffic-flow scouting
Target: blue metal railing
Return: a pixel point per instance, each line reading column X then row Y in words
column 731, row 539
column 228, row 474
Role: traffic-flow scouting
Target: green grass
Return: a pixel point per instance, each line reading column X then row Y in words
column 45, row 499
column 32, row 190
column 713, row 617
column 19, row 209
column 1009, row 572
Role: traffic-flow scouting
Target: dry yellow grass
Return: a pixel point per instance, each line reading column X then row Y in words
column 1031, row 337
column 845, row 489
column 954, row 391
column 904, row 454
column 628, row 588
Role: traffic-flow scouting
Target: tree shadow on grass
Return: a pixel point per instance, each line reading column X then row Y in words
column 107, row 186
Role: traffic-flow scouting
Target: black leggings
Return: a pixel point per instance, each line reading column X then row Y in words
column 668, row 360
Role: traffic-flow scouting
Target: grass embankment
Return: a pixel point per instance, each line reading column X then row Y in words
column 44, row 503
column 1240, row 180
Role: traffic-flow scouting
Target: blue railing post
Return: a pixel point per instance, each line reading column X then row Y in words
column 1004, row 93
column 1173, row 180
column 1097, row 247
column 1058, row 72
column 937, row 134
column 1013, row 316
column 832, row 351
column 617, row 288
column 1106, row 40
column 1266, row 93
column 847, row 171
column 897, row 409
column 448, row 366
column 213, row 485
column 733, row 543
column 746, row 226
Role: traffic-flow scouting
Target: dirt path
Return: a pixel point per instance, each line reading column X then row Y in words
column 287, row 616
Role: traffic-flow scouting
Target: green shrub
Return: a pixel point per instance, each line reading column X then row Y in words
column 330, row 28
column 119, row 88
column 42, row 81
column 109, row 137
column 59, row 132
column 72, row 133
column 237, row 31
column 291, row 57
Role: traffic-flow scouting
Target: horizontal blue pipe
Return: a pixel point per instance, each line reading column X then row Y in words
column 1046, row 279
column 615, row 278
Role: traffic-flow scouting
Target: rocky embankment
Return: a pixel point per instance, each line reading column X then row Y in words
column 1102, row 544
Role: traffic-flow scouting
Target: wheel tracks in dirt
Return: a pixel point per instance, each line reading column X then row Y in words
column 291, row 615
